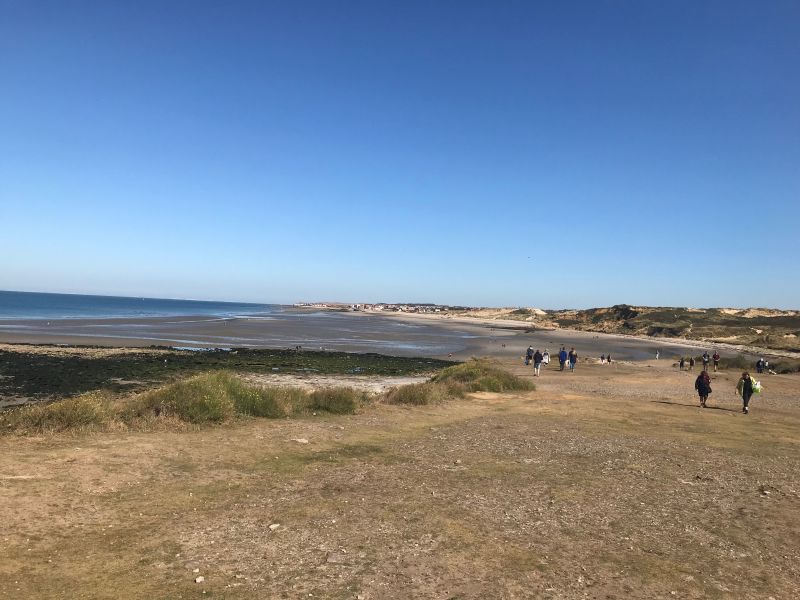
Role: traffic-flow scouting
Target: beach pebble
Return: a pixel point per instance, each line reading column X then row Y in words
column 274, row 526
column 199, row 579
column 300, row 440
column 335, row 558
column 195, row 570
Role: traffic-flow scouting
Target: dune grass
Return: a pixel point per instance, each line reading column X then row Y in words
column 476, row 375
column 337, row 400
column 420, row 394
column 208, row 398
column 221, row 396
column 482, row 375
column 87, row 411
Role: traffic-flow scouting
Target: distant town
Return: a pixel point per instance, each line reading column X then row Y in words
column 382, row 307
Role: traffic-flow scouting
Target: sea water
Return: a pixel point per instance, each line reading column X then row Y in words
column 33, row 305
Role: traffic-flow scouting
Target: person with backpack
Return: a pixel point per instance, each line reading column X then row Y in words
column 706, row 359
column 745, row 389
column 562, row 358
column 573, row 358
column 528, row 355
column 537, row 363
column 703, row 386
column 715, row 358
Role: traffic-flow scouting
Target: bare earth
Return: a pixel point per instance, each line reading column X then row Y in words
column 607, row 483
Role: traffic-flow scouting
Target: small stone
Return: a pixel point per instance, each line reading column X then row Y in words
column 200, row 579
column 335, row 558
column 458, row 461
column 300, row 440
column 274, row 526
column 195, row 570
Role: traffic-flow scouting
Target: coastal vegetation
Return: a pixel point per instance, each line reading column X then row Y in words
column 216, row 397
column 760, row 327
column 476, row 375
column 205, row 399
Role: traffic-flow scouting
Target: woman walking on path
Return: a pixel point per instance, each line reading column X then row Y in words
column 573, row 358
column 715, row 358
column 703, row 386
column 745, row 389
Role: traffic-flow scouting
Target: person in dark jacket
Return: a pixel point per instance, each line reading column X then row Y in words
column 691, row 363
column 703, row 386
column 537, row 362
column 745, row 389
column 715, row 358
column 562, row 358
column 528, row 355
column 681, row 363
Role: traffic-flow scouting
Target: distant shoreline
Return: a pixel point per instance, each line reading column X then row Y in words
column 523, row 325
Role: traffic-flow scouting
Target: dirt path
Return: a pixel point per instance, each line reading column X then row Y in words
column 606, row 483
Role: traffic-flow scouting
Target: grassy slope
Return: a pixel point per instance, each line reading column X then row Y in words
column 609, row 482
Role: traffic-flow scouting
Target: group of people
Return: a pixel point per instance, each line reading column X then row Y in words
column 745, row 387
column 706, row 358
column 538, row 359
column 762, row 366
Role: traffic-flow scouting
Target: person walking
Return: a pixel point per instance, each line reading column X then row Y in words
column 658, row 353
column 573, row 358
column 562, row 358
column 715, row 358
column 546, row 357
column 537, row 363
column 602, row 359
column 609, row 359
column 745, row 389
column 681, row 363
column 691, row 363
column 528, row 355
column 703, row 386
column 706, row 360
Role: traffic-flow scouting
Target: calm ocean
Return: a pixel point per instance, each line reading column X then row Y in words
column 31, row 305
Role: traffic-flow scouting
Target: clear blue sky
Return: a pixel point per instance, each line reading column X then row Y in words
column 554, row 154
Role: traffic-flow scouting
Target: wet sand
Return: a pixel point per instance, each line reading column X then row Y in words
column 401, row 335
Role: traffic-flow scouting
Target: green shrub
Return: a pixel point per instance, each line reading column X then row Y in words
column 271, row 402
column 85, row 411
column 482, row 375
column 338, row 400
column 206, row 398
column 419, row 394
